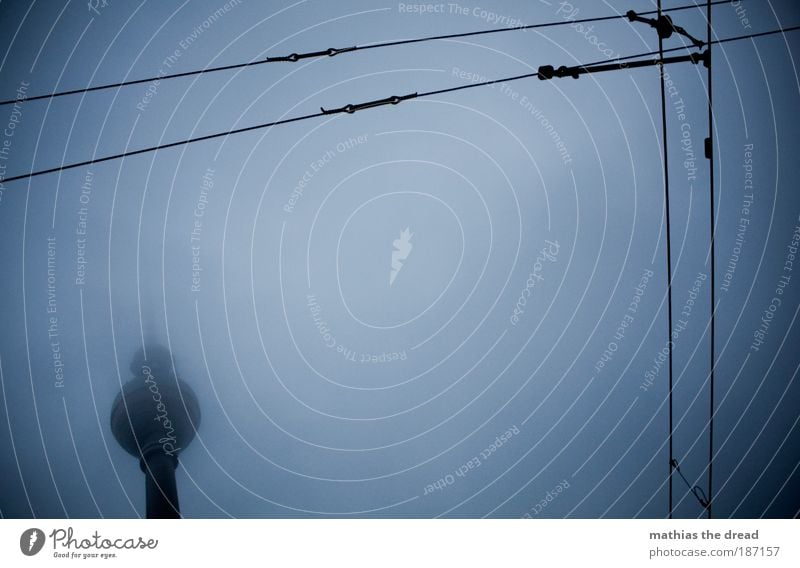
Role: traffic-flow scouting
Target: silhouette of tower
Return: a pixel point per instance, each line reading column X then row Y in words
column 155, row 417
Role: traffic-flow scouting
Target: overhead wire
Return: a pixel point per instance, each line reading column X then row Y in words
column 322, row 112
column 330, row 52
column 669, row 255
column 710, row 156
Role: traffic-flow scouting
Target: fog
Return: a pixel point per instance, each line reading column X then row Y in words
column 455, row 306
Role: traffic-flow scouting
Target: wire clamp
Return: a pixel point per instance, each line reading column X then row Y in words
column 336, row 51
column 547, row 72
column 295, row 57
column 664, row 26
column 352, row 108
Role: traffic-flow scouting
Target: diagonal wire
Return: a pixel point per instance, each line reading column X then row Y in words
column 165, row 146
column 389, row 100
column 696, row 490
column 294, row 57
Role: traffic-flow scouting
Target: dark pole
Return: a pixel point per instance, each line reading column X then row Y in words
column 154, row 418
column 160, row 486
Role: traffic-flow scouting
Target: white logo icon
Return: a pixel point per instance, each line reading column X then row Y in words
column 31, row 542
column 402, row 248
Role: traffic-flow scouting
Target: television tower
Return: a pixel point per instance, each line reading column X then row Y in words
column 155, row 417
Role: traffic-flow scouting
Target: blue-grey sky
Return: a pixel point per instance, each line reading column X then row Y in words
column 453, row 307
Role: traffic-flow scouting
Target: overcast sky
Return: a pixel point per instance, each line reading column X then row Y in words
column 455, row 306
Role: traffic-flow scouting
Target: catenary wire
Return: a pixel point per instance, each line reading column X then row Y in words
column 323, row 113
column 335, row 51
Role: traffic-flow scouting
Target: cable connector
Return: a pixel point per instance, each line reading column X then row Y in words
column 664, row 26
column 547, row 72
column 352, row 108
column 294, row 57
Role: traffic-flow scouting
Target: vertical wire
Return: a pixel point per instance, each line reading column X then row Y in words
column 669, row 250
column 713, row 265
